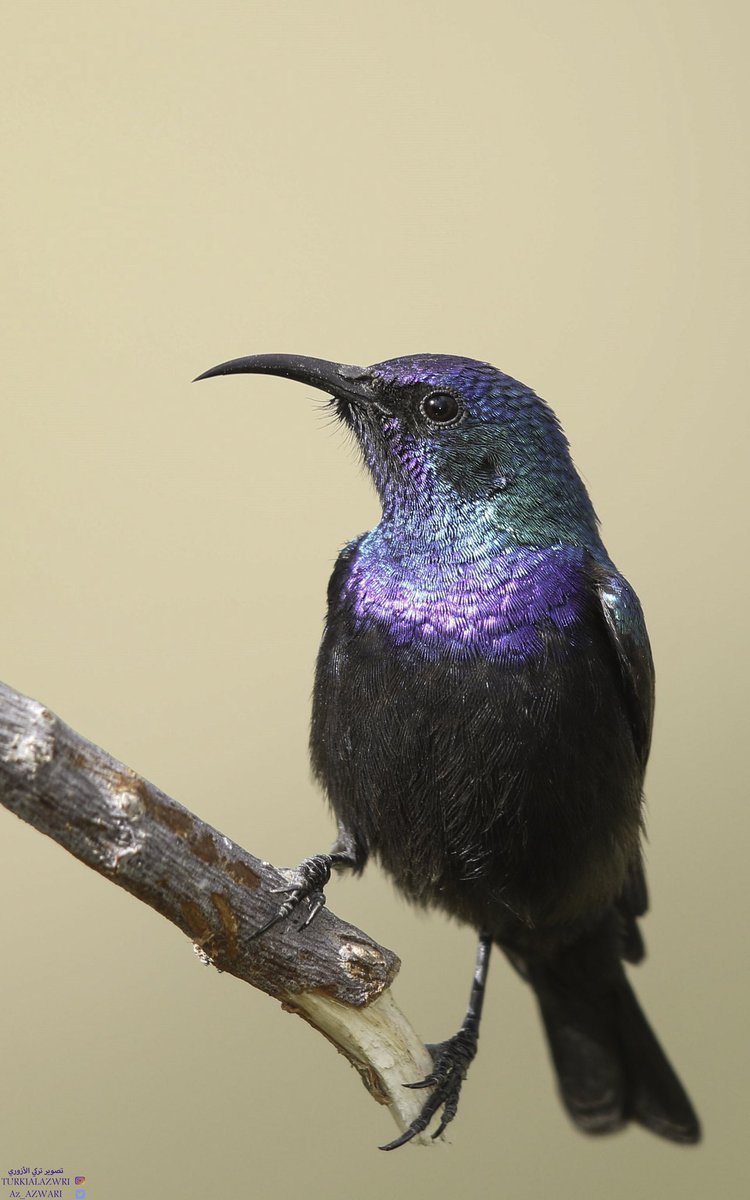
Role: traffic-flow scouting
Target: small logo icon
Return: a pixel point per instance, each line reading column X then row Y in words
column 80, row 1179
column 80, row 1194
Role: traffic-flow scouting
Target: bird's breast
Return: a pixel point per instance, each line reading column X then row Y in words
column 503, row 607
column 469, row 730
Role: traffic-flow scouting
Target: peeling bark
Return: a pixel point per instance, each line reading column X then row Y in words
column 334, row 975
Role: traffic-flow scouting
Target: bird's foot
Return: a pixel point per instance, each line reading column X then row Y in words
column 451, row 1061
column 307, row 883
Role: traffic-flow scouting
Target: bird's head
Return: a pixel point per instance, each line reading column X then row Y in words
column 449, row 437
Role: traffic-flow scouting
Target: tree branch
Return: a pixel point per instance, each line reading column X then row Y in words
column 124, row 827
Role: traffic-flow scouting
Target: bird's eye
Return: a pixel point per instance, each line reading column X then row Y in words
column 441, row 407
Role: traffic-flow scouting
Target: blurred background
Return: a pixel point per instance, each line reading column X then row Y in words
column 559, row 188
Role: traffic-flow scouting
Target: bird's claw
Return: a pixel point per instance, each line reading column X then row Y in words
column 310, row 877
column 451, row 1061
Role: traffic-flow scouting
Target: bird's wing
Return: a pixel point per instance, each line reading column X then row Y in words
column 341, row 570
column 632, row 904
column 626, row 627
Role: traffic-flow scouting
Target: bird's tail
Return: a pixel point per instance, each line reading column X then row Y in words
column 610, row 1066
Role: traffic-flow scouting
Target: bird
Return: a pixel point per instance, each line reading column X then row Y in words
column 482, row 716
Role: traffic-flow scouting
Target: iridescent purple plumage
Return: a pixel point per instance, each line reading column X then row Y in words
column 481, row 546
column 497, row 606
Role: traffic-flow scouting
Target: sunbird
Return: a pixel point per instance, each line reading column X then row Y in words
column 482, row 715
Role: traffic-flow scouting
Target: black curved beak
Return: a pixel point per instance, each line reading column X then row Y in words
column 351, row 384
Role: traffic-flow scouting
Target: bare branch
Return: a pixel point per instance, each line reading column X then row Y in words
column 125, row 828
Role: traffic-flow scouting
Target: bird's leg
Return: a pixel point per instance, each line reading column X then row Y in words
column 311, row 877
column 451, row 1059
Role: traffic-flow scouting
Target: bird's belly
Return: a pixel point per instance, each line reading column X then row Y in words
column 492, row 787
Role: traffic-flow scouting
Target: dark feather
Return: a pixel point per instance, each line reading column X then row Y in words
column 483, row 708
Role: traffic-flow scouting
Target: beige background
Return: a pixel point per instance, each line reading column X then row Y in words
column 560, row 188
